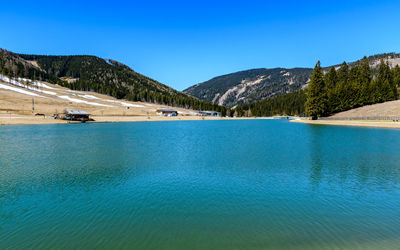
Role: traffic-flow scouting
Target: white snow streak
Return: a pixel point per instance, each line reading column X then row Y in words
column 82, row 101
column 125, row 104
column 21, row 91
column 33, row 86
column 19, row 84
column 92, row 97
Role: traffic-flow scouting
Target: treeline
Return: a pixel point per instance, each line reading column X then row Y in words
column 118, row 80
column 334, row 91
column 20, row 70
column 287, row 104
column 90, row 73
column 146, row 95
column 12, row 66
column 348, row 88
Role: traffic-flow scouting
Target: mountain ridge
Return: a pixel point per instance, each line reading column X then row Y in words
column 247, row 86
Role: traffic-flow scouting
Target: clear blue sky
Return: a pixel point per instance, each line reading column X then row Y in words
column 181, row 43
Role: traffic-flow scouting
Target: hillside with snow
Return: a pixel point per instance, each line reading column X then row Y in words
column 24, row 96
column 91, row 74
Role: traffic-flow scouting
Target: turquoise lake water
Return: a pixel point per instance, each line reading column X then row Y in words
column 245, row 184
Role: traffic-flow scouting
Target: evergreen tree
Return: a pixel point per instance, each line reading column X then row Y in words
column 386, row 85
column 354, row 74
column 287, row 104
column 343, row 73
column 396, row 75
column 353, row 87
column 346, row 88
column 365, row 71
column 365, row 78
column 331, row 80
column 316, row 104
column 341, row 89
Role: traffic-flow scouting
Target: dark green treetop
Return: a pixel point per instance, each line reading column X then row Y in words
column 316, row 104
column 343, row 73
column 388, row 89
column 331, row 78
column 396, row 75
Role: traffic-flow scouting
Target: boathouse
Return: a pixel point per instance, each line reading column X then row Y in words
column 167, row 112
column 76, row 115
column 210, row 113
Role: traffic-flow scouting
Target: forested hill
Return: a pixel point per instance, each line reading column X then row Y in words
column 334, row 90
column 246, row 87
column 287, row 104
column 250, row 85
column 105, row 76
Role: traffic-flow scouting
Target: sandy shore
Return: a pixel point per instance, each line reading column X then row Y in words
column 18, row 106
column 357, row 123
column 15, row 119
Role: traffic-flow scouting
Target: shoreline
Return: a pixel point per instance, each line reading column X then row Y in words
column 13, row 119
column 353, row 123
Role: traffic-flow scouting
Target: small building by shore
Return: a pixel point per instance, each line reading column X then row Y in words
column 167, row 112
column 210, row 113
column 76, row 115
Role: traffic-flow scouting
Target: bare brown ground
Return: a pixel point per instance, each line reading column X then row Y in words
column 379, row 110
column 13, row 119
column 357, row 123
column 21, row 104
column 16, row 108
column 387, row 109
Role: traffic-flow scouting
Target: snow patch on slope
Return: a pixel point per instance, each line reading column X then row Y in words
column 34, row 83
column 25, row 86
column 69, row 95
column 91, row 97
column 21, row 91
column 82, row 101
column 125, row 104
column 131, row 105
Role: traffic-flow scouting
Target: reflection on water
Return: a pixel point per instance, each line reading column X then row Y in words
column 199, row 184
column 357, row 156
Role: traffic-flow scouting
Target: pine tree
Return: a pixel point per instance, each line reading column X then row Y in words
column 354, row 87
column 331, row 81
column 365, row 71
column 365, row 80
column 354, row 74
column 396, row 75
column 340, row 92
column 331, row 78
column 316, row 104
column 385, row 82
column 343, row 73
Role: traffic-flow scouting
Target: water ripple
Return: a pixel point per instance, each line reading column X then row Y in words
column 208, row 184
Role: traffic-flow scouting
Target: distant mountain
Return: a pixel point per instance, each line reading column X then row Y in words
column 257, row 84
column 250, row 85
column 91, row 73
